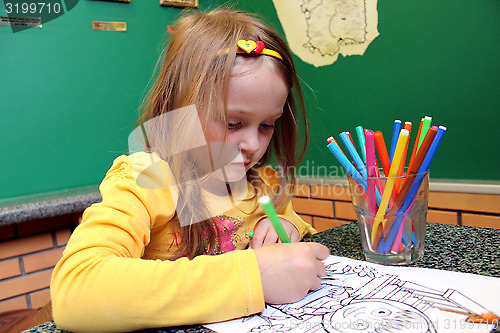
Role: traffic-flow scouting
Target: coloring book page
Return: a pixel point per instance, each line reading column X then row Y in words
column 366, row 297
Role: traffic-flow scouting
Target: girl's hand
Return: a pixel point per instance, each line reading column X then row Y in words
column 289, row 271
column 264, row 233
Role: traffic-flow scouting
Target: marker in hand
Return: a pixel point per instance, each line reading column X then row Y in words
column 268, row 207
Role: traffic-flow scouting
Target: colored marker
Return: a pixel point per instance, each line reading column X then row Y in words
column 423, row 168
column 415, row 145
column 332, row 139
column 344, row 161
column 347, row 140
column 371, row 172
column 426, row 144
column 396, row 247
column 350, row 138
column 361, row 140
column 415, row 186
column 378, row 181
column 482, row 318
column 395, row 136
column 384, row 203
column 335, row 149
column 354, row 154
column 425, row 127
column 397, row 185
column 268, row 207
column 382, row 152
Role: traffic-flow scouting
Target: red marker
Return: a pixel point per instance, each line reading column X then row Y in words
column 350, row 137
column 415, row 146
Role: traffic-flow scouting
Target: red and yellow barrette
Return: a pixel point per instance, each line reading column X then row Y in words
column 256, row 47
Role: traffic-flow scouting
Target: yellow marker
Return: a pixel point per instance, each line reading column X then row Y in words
column 389, row 186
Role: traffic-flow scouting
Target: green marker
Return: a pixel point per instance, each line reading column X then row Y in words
column 268, row 207
column 361, row 138
column 425, row 127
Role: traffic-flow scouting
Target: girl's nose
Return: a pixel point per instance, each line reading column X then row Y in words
column 249, row 141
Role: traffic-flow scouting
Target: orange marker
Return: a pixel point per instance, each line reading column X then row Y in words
column 382, row 152
column 483, row 318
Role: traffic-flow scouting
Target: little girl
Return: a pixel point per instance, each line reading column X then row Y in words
column 171, row 242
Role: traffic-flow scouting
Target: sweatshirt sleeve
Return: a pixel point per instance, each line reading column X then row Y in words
column 101, row 284
column 270, row 177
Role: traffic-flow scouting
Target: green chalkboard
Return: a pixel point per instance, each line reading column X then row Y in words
column 432, row 57
column 70, row 95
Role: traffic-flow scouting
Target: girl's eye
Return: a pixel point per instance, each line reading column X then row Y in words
column 233, row 125
column 267, row 126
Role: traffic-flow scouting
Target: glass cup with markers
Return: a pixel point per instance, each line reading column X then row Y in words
column 391, row 234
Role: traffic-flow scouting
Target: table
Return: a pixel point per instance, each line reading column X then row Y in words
column 447, row 247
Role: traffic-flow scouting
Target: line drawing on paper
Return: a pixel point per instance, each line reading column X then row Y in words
column 362, row 298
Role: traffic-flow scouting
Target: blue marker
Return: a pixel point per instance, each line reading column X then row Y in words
column 423, row 169
column 357, row 160
column 415, row 186
column 346, row 163
column 351, row 169
column 395, row 136
column 354, row 154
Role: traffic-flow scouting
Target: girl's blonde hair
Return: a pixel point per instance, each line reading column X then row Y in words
column 195, row 69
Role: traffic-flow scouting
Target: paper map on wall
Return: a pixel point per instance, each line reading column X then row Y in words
column 365, row 297
column 318, row 30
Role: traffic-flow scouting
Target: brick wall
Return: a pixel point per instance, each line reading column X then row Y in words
column 30, row 250
column 327, row 206
column 28, row 253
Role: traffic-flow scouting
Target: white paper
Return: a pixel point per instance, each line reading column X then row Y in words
column 367, row 297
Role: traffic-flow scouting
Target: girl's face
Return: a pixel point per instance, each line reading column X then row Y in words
column 256, row 96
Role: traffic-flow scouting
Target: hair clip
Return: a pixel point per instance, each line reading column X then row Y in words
column 256, row 47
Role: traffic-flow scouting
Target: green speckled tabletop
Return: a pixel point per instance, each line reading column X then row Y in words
column 447, row 247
